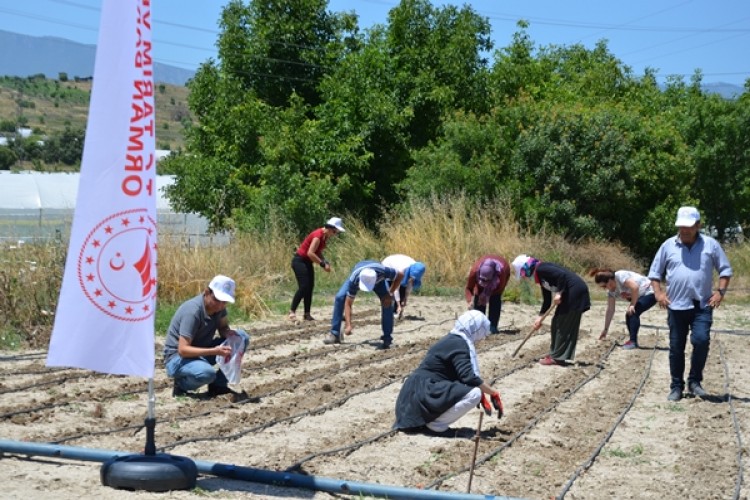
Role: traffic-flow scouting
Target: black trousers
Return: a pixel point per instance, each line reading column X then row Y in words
column 304, row 271
column 496, row 306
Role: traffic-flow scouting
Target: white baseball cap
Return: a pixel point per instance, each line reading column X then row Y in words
column 367, row 279
column 337, row 223
column 223, row 288
column 687, row 217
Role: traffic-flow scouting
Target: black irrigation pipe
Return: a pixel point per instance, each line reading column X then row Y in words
column 528, row 427
column 140, row 426
column 590, row 461
column 65, row 403
column 56, row 381
column 25, row 356
column 314, row 411
column 343, row 346
column 322, row 353
column 356, row 445
column 737, row 429
column 713, row 330
column 350, row 448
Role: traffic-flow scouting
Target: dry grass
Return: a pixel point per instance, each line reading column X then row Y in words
column 259, row 266
column 448, row 235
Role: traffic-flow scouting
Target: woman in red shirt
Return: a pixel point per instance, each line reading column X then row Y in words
column 311, row 252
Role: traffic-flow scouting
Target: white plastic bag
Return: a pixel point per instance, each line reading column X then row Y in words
column 232, row 365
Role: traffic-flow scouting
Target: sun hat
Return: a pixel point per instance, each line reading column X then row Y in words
column 223, row 288
column 336, row 223
column 687, row 217
column 367, row 279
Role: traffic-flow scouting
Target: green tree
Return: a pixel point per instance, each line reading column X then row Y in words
column 716, row 132
column 600, row 173
column 276, row 47
column 66, row 147
column 8, row 158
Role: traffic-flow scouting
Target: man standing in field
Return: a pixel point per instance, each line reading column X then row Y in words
column 688, row 260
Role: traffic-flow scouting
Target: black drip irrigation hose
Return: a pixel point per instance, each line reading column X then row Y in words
column 354, row 446
column 532, row 423
column 735, row 423
column 314, row 411
column 282, row 362
column 56, row 381
column 192, row 416
column 713, row 330
column 138, row 427
column 25, row 356
column 590, row 461
column 346, row 450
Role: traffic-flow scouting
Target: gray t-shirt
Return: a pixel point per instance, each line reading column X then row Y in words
column 192, row 322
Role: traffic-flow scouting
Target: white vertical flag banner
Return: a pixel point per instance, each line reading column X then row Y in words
column 105, row 315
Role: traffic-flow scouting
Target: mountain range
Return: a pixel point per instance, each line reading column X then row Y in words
column 25, row 55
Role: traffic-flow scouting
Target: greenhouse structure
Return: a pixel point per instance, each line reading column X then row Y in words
column 39, row 206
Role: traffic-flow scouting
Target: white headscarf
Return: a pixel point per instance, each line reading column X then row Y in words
column 472, row 326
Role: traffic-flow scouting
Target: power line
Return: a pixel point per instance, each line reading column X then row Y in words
column 506, row 17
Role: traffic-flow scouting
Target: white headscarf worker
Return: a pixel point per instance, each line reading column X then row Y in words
column 447, row 384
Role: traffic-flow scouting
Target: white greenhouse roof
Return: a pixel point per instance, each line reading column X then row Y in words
column 30, row 190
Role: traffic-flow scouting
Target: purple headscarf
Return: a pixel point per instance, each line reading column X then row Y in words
column 488, row 278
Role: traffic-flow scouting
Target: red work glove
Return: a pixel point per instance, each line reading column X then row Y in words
column 497, row 403
column 486, row 405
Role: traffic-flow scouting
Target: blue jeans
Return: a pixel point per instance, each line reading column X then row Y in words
column 192, row 373
column 386, row 313
column 645, row 302
column 698, row 322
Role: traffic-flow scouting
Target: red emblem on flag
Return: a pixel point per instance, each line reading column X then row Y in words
column 117, row 265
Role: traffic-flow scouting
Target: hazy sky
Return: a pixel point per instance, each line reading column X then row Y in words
column 675, row 37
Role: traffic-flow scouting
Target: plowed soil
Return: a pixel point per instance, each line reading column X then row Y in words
column 599, row 428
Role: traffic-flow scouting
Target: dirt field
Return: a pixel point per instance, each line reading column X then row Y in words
column 599, row 428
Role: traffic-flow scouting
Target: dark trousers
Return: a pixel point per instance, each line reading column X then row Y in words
column 305, row 274
column 496, row 307
column 565, row 328
column 645, row 302
column 697, row 322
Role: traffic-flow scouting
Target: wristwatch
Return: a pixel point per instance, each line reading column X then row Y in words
column 721, row 291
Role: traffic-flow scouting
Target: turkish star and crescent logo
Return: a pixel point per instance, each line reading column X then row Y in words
column 117, row 265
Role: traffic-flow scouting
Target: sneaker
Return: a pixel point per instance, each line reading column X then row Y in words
column 629, row 345
column 309, row 318
column 675, row 395
column 383, row 346
column 696, row 389
column 177, row 391
column 332, row 339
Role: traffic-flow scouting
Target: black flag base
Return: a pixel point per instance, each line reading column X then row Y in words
column 158, row 473
column 150, row 471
